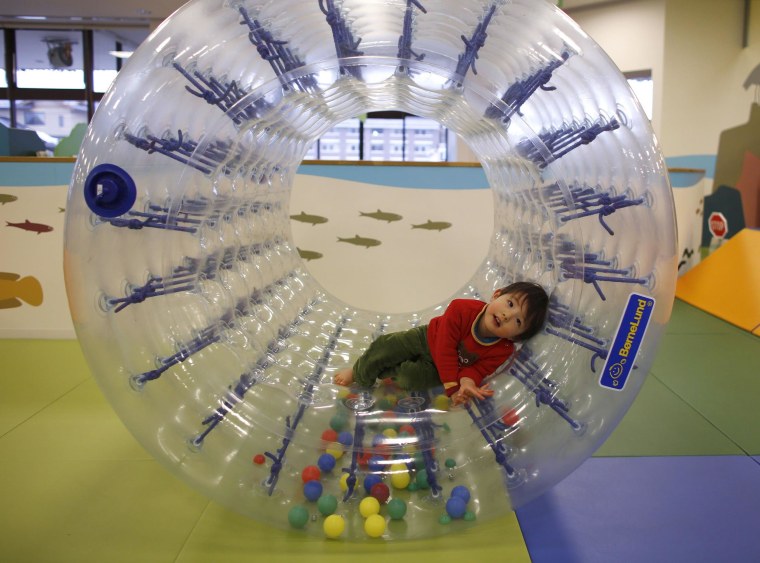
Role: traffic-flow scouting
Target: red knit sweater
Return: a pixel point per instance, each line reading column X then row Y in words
column 457, row 351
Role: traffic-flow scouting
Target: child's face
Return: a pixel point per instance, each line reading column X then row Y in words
column 504, row 317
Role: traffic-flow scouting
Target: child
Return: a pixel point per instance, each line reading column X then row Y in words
column 458, row 349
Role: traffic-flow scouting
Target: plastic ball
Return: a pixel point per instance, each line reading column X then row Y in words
column 370, row 481
column 396, row 509
column 381, row 492
column 334, row 526
column 400, row 478
column 421, row 480
column 419, row 461
column 327, row 504
column 510, row 418
column 406, row 429
column 330, row 435
column 259, row 459
column 346, row 438
column 374, row 525
column 298, row 516
column 444, row 519
column 338, row 422
column 450, row 463
column 369, row 506
column 469, row 516
column 441, row 403
column 390, row 433
column 310, row 473
column 335, row 450
column 312, row 490
column 326, row 463
column 376, row 463
column 456, row 507
column 462, row 492
column 344, row 482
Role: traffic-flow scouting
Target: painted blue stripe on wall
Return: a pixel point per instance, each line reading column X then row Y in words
column 36, row 174
column 705, row 162
column 418, row 177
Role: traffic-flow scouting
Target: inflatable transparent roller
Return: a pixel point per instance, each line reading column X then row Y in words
column 217, row 348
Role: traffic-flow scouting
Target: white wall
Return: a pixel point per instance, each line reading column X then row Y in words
column 633, row 35
column 705, row 67
column 694, row 48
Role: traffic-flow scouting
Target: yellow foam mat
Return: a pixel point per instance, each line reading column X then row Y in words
column 727, row 283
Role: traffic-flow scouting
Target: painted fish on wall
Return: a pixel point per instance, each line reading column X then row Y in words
column 381, row 216
column 433, row 225
column 361, row 241
column 309, row 254
column 14, row 289
column 29, row 226
column 304, row 217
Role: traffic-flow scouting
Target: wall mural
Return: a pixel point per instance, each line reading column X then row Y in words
column 738, row 161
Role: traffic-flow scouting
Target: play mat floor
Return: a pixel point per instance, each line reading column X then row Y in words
column 679, row 479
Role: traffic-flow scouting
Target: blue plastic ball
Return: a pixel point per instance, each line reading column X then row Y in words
column 376, row 463
column 312, row 490
column 456, row 507
column 346, row 438
column 326, row 463
column 370, row 481
column 462, row 492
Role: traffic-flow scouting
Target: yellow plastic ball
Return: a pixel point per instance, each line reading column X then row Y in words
column 334, row 526
column 441, row 403
column 344, row 482
column 369, row 506
column 400, row 478
column 335, row 450
column 390, row 433
column 401, row 481
column 374, row 526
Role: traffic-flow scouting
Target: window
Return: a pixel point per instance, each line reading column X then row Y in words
column 387, row 135
column 60, row 75
column 50, row 59
column 643, row 87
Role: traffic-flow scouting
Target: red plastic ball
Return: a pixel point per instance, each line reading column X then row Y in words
column 408, row 428
column 310, row 473
column 329, row 435
column 511, row 417
column 381, row 492
column 259, row 459
column 364, row 459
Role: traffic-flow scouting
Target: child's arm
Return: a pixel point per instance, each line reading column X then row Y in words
column 468, row 388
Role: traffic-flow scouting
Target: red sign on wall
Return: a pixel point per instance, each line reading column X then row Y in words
column 717, row 224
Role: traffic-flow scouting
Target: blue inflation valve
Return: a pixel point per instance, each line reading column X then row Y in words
column 109, row 190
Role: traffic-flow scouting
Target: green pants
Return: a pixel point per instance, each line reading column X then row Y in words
column 402, row 356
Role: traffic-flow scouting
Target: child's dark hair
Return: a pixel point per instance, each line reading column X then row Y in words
column 536, row 304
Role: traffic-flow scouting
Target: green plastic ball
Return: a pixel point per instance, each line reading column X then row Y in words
column 298, row 516
column 469, row 516
column 327, row 504
column 396, row 509
column 451, row 463
column 422, row 480
column 338, row 422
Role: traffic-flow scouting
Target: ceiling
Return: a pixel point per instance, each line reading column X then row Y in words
column 136, row 10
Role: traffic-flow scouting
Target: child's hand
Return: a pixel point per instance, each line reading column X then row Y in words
column 468, row 389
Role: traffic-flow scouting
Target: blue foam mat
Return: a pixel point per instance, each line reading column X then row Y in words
column 649, row 509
